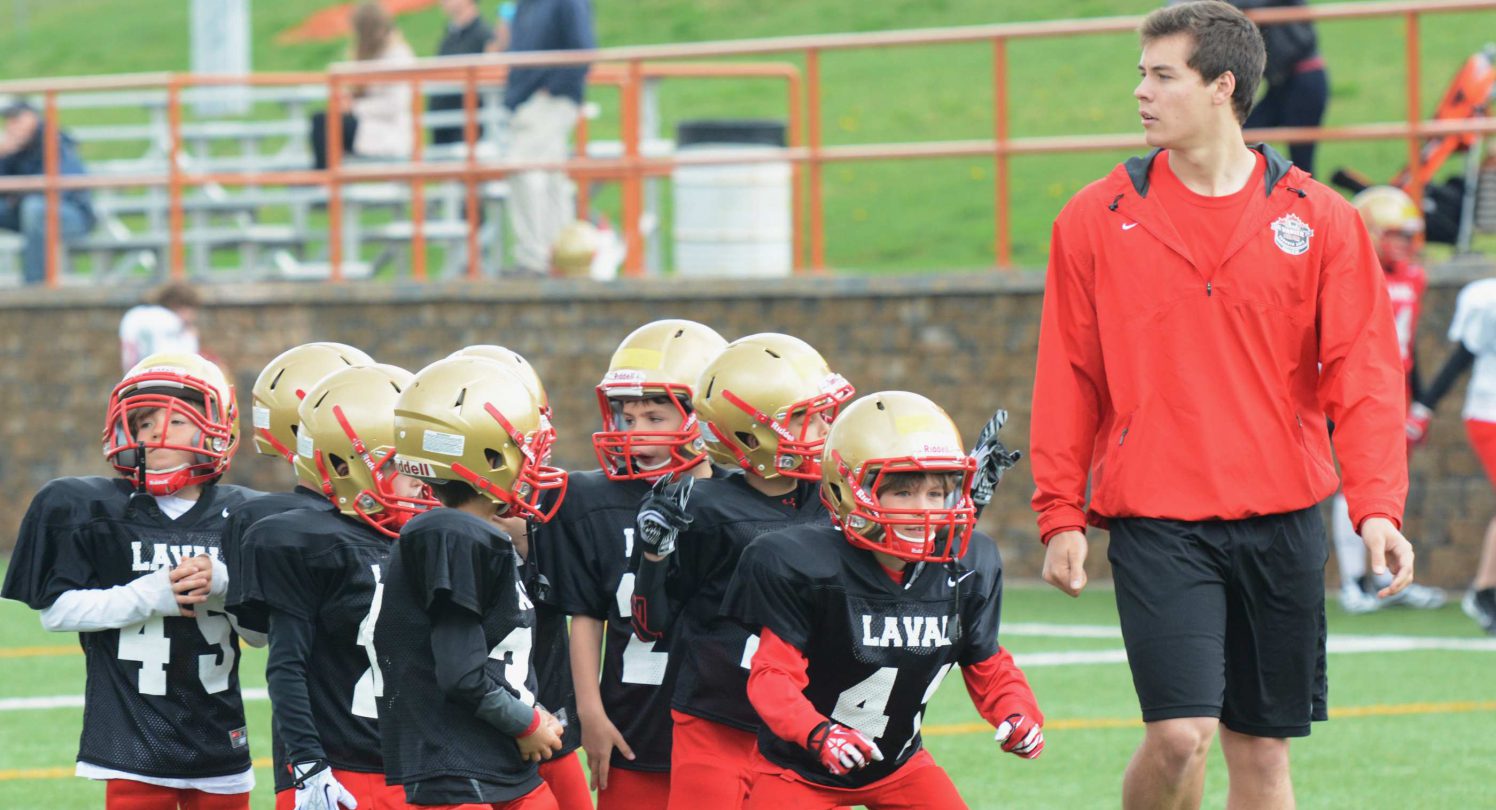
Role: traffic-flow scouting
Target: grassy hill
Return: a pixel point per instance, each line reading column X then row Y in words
column 880, row 217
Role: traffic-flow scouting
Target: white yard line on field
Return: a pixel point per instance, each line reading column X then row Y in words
column 1338, row 644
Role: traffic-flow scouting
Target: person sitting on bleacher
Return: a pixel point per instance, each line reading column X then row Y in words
column 376, row 117
column 22, row 152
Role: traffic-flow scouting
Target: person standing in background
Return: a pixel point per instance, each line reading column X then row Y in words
column 466, row 33
column 544, row 103
column 1298, row 88
column 165, row 322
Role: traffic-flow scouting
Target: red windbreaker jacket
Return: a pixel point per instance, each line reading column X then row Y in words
column 1198, row 392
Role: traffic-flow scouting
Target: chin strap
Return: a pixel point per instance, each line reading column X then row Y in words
column 956, row 571
column 140, row 470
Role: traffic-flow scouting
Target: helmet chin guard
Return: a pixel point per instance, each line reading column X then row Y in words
column 177, row 387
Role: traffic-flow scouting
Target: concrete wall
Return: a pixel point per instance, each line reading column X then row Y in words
column 968, row 342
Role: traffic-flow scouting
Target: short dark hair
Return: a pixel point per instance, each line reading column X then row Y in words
column 176, row 295
column 452, row 494
column 14, row 108
column 1225, row 40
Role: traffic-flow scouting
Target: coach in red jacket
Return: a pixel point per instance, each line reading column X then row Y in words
column 1207, row 307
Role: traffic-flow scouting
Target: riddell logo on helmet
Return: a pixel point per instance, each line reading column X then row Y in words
column 414, row 469
column 624, row 375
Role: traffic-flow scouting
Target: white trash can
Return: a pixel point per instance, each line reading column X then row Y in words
column 732, row 220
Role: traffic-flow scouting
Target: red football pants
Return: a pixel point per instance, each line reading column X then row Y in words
column 128, row 794
column 368, row 788
column 540, row 798
column 1483, row 441
column 709, row 764
column 634, row 790
column 919, row 784
column 567, row 781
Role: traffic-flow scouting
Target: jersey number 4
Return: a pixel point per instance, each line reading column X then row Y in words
column 863, row 705
column 147, row 643
column 370, row 685
column 642, row 663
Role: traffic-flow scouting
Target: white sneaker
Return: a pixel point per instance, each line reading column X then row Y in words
column 1355, row 601
column 1418, row 597
column 1481, row 606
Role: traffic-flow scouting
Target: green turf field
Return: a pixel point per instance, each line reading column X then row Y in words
column 1411, row 729
column 880, row 217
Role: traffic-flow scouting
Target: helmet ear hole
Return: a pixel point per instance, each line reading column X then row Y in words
column 339, row 466
column 746, row 439
column 836, row 491
column 495, row 458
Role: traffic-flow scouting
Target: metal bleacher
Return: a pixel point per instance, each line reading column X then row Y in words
column 258, row 231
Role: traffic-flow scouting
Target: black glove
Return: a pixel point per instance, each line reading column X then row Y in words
column 662, row 515
column 992, row 459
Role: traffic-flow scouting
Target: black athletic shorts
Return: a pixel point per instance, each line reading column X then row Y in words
column 1225, row 618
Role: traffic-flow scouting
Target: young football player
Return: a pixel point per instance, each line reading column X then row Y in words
column 315, row 572
column 454, row 631
column 562, row 772
column 649, row 430
column 132, row 565
column 1394, row 222
column 274, row 399
column 1473, row 331
column 765, row 403
column 861, row 621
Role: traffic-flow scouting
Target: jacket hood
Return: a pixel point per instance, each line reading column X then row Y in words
column 1278, row 168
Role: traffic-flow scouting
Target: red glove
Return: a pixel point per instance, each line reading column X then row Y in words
column 1419, row 417
column 1021, row 735
column 842, row 749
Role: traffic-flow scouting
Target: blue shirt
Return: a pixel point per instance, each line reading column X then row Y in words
column 549, row 25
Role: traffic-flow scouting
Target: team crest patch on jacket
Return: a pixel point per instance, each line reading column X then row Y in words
column 1291, row 234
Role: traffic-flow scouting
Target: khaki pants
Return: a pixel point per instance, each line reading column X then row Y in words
column 541, row 202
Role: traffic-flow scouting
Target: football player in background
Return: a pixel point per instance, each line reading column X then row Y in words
column 562, row 772
column 166, row 322
column 1473, row 331
column 649, row 431
column 273, row 402
column 1394, row 222
column 315, row 572
column 132, row 565
column 862, row 620
column 454, row 632
column 765, row 403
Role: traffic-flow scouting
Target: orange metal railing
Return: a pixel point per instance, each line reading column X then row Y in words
column 627, row 68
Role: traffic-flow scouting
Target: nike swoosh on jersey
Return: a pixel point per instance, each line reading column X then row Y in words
column 950, row 582
column 1127, row 226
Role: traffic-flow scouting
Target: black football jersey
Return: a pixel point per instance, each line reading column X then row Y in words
column 323, row 568
column 714, row 651
column 240, row 518
column 449, row 556
column 587, row 546
column 162, row 695
column 877, row 649
column 554, row 689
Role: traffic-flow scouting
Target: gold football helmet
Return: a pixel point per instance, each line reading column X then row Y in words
column 188, row 387
column 574, row 249
column 346, row 440
column 279, row 389
column 1387, row 208
column 662, row 359
column 765, row 400
column 471, row 419
column 514, row 361
column 896, row 433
